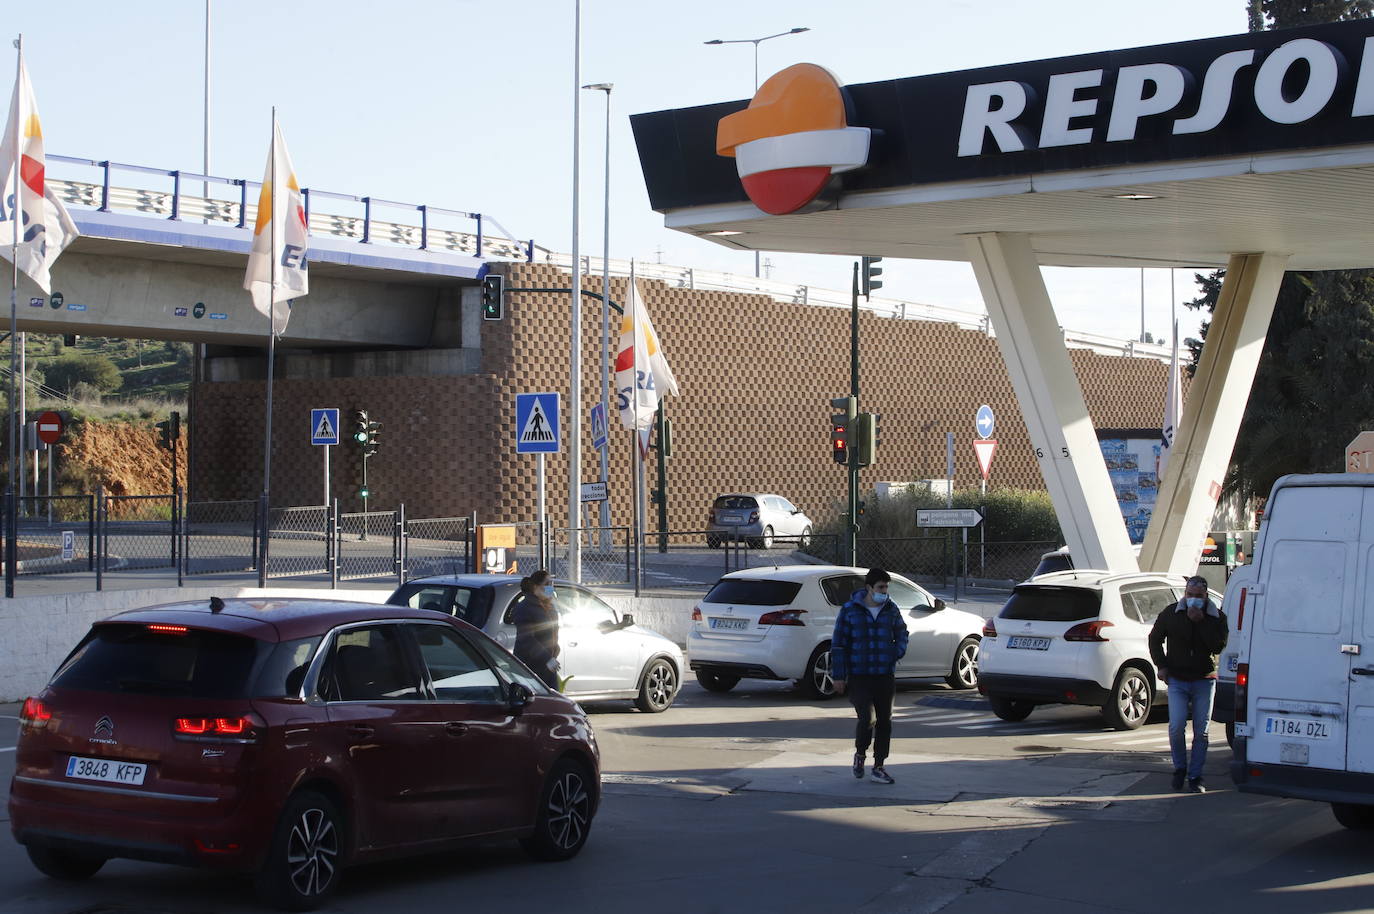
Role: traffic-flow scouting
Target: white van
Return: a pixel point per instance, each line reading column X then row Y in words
column 1224, row 706
column 1304, row 634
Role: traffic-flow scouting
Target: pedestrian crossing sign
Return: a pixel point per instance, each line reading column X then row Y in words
column 324, row 426
column 536, row 423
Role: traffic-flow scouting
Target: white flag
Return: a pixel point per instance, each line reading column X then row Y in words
column 641, row 370
column 1173, row 409
column 279, row 239
column 44, row 226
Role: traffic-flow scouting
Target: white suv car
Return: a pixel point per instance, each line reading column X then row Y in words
column 1078, row 637
column 776, row 623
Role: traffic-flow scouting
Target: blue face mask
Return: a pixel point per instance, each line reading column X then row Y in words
column 549, row 591
column 879, row 598
column 1193, row 602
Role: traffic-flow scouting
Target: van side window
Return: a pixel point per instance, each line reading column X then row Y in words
column 1306, row 587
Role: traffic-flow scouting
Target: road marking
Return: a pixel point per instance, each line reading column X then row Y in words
column 8, row 717
column 8, row 748
column 1115, row 734
column 943, row 717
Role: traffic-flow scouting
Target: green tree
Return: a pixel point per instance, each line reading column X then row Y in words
column 93, row 369
column 1309, row 398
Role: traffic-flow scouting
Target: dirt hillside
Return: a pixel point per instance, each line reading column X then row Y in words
column 124, row 457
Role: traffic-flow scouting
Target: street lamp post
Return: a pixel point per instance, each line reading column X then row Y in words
column 605, row 515
column 755, row 42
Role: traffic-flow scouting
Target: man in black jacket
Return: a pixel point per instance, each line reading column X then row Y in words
column 1184, row 643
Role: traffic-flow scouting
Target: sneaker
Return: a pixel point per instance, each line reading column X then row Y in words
column 858, row 766
column 1179, row 775
column 1195, row 786
column 881, row 776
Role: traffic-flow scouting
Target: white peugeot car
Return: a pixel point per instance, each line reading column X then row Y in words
column 775, row 623
column 603, row 653
column 1078, row 637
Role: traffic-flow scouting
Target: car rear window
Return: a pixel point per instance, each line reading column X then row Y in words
column 736, row 501
column 753, row 592
column 123, row 657
column 471, row 604
column 1053, row 604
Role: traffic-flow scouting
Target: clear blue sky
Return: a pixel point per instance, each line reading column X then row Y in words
column 468, row 105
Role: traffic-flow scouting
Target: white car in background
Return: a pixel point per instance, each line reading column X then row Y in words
column 757, row 518
column 603, row 653
column 776, row 622
column 1078, row 637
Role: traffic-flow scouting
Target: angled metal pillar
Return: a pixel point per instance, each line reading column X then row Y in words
column 1211, row 416
column 1051, row 400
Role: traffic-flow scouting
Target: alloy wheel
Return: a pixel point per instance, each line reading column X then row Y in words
column 661, row 685
column 966, row 665
column 569, row 811
column 312, row 853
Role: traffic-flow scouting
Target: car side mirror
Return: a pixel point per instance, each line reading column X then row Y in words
column 518, row 697
column 939, row 604
column 626, row 620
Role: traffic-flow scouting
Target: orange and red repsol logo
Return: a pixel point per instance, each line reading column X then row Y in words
column 792, row 139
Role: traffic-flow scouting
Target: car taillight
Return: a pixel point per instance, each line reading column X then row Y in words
column 989, row 628
column 167, row 629
column 696, row 613
column 1088, row 631
column 1242, row 693
column 237, row 729
column 753, row 517
column 783, row 617
column 34, row 713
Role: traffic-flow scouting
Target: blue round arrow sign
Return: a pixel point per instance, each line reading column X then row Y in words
column 983, row 422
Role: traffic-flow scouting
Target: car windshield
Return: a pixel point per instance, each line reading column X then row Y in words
column 191, row 663
column 1053, row 604
column 753, row 592
column 736, row 502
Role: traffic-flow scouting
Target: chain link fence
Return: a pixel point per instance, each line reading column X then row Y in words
column 219, row 537
column 607, row 553
column 137, row 532
column 369, row 545
column 1001, row 565
column 56, row 534
column 926, row 559
column 437, row 545
column 298, row 541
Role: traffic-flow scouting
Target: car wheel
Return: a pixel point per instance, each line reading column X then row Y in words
column 565, row 814
column 1011, row 709
column 964, row 673
column 657, row 687
column 1354, row 815
column 713, row 542
column 1129, row 704
column 716, row 682
column 805, row 539
column 817, row 682
column 1231, row 734
column 303, row 862
column 63, row 865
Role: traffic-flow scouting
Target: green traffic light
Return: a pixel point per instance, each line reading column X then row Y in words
column 363, row 493
column 360, row 437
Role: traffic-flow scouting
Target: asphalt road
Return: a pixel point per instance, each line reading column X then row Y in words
column 744, row 801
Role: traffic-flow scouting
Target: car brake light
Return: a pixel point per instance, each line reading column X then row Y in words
column 214, row 727
column 1088, row 631
column 34, row 713
column 989, row 628
column 753, row 517
column 696, row 613
column 1242, row 693
column 167, row 629
column 783, row 617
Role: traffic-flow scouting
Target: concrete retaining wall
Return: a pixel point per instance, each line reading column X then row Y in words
column 39, row 632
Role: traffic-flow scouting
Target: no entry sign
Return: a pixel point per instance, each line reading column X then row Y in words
column 49, row 427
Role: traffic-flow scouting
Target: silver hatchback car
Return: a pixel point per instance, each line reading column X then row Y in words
column 762, row 519
column 603, row 654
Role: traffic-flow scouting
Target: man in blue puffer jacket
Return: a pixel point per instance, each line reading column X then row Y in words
column 870, row 637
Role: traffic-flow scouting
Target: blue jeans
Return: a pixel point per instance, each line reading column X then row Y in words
column 1187, row 698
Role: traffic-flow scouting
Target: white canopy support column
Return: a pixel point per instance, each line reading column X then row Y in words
column 1051, row 400
column 1211, row 416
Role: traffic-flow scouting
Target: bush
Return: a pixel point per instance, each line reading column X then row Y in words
column 89, row 368
column 1010, row 515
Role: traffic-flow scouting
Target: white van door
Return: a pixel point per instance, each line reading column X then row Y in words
column 1299, row 678
column 1360, row 726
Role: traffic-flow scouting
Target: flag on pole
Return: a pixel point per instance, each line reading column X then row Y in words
column 641, row 370
column 1173, row 409
column 278, row 269
column 45, row 229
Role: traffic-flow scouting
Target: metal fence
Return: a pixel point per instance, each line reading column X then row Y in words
column 370, row 545
column 56, row 534
column 927, row 559
column 299, row 541
column 999, row 565
column 136, row 532
column 219, row 537
column 437, row 545
column 607, row 553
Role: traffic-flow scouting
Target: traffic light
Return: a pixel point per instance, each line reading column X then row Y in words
column 370, row 444
column 868, row 275
column 865, row 439
column 164, row 434
column 174, row 430
column 493, row 298
column 360, row 424
column 363, row 492
column 840, row 426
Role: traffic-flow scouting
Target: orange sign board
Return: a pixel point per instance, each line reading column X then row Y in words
column 492, row 536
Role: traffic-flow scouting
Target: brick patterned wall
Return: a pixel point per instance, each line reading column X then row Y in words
column 756, row 376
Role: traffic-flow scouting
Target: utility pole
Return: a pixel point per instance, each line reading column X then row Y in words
column 852, row 410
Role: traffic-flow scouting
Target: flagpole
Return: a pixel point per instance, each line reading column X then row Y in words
column 632, row 306
column 11, row 506
column 574, row 569
column 271, row 350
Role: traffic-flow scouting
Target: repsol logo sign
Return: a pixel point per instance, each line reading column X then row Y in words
column 1291, row 84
